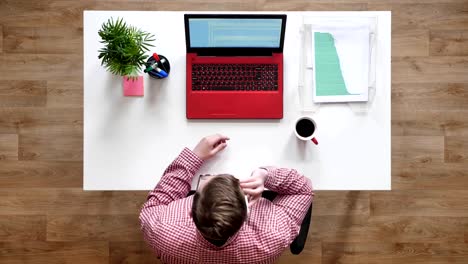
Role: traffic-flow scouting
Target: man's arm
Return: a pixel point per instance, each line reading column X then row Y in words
column 294, row 195
column 176, row 181
column 174, row 185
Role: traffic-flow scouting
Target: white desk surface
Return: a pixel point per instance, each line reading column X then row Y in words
column 129, row 141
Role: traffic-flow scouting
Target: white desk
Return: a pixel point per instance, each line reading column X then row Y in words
column 129, row 141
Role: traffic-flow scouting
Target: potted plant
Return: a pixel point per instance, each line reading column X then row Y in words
column 124, row 53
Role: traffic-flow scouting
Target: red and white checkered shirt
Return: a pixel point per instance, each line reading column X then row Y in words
column 270, row 227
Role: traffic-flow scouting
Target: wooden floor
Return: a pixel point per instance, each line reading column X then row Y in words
column 45, row 217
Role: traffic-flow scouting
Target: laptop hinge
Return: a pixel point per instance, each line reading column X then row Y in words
column 236, row 53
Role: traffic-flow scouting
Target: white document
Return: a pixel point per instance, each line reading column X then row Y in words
column 347, row 79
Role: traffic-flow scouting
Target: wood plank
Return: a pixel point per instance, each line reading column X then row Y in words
column 430, row 96
column 31, row 252
column 20, row 227
column 70, row 201
column 1, row 38
column 456, row 149
column 413, row 122
column 41, row 67
column 416, row 128
column 419, row 229
column 419, row 203
column 225, row 5
column 27, row 120
column 341, row 203
column 59, row 12
column 131, row 252
column 382, row 253
column 278, row 5
column 94, row 228
column 231, row 5
column 419, row 149
column 27, row 202
column 300, row 5
column 312, row 253
column 429, row 176
column 387, row 1
column 64, row 94
column 43, row 13
column 9, row 120
column 391, row 229
column 8, row 147
column 434, row 16
column 51, row 146
column 44, row 174
column 23, row 93
column 429, row 69
column 411, row 42
column 18, row 10
column 449, row 43
column 429, row 109
column 35, row 40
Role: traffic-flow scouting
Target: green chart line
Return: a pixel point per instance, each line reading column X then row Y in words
column 329, row 77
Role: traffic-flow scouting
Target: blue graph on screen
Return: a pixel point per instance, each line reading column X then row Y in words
column 231, row 32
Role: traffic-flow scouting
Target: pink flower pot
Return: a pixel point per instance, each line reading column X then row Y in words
column 133, row 87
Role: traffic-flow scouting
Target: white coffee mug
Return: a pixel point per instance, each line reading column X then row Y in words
column 305, row 128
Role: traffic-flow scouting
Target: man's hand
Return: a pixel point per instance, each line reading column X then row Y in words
column 210, row 145
column 254, row 185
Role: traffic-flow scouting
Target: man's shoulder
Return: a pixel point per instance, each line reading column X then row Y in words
column 261, row 234
column 178, row 212
column 176, row 225
column 263, row 216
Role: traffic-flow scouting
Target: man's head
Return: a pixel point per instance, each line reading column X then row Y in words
column 219, row 208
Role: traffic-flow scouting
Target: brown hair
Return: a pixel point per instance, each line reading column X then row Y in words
column 219, row 209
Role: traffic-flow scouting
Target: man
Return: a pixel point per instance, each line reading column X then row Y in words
column 216, row 225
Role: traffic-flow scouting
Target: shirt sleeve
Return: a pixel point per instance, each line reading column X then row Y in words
column 174, row 185
column 294, row 198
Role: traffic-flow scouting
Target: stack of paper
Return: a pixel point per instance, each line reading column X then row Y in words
column 340, row 56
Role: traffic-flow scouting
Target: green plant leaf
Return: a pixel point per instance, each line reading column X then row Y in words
column 124, row 47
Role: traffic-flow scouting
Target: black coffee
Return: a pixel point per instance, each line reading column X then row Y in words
column 305, row 128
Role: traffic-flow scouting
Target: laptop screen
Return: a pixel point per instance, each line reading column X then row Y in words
column 234, row 32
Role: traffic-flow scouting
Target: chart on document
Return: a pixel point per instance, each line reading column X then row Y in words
column 341, row 56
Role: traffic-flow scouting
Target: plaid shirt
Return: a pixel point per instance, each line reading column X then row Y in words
column 270, row 227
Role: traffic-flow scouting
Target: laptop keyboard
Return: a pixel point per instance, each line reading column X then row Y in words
column 234, row 77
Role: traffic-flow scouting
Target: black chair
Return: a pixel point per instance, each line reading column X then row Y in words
column 298, row 244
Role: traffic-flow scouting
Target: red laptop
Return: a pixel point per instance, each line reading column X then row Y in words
column 234, row 65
